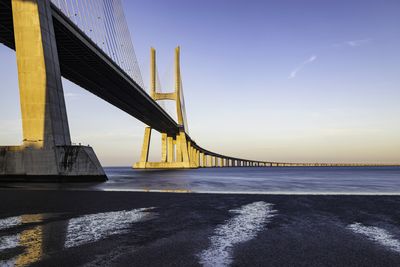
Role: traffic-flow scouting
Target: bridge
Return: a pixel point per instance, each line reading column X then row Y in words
column 88, row 43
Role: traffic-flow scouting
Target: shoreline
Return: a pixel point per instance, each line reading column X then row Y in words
column 195, row 192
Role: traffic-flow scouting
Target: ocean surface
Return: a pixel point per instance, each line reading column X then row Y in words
column 278, row 180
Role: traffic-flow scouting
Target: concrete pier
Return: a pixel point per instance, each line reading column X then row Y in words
column 61, row 164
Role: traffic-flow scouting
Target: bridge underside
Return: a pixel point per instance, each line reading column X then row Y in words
column 84, row 64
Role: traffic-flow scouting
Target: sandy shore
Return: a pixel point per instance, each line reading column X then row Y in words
column 192, row 229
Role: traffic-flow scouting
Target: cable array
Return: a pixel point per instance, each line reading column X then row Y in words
column 185, row 123
column 104, row 22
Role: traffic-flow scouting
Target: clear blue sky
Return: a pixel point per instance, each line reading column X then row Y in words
column 284, row 80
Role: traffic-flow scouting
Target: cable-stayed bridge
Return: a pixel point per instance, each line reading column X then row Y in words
column 88, row 42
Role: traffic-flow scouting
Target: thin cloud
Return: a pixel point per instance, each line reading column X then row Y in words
column 353, row 43
column 294, row 72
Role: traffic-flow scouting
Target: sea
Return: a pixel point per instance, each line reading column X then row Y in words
column 248, row 180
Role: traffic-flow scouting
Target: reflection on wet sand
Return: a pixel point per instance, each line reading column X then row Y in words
column 18, row 220
column 93, row 227
column 30, row 240
column 36, row 241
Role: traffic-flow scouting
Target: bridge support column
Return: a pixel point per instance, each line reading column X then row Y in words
column 46, row 153
column 198, row 158
column 201, row 160
column 178, row 157
column 192, row 156
column 164, row 147
column 190, row 151
column 144, row 156
column 177, row 152
column 170, row 149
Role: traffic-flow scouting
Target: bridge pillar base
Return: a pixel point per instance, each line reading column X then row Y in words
column 163, row 165
column 61, row 164
column 175, row 153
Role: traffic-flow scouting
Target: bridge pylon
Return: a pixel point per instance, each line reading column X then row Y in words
column 177, row 152
column 46, row 153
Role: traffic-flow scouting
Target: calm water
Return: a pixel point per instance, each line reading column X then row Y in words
column 316, row 180
column 261, row 180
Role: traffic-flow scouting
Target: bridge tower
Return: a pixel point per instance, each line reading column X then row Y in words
column 177, row 151
column 46, row 153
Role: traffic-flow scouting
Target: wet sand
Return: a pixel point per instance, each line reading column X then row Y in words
column 177, row 229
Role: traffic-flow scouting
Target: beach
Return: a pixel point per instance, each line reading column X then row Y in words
column 187, row 229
